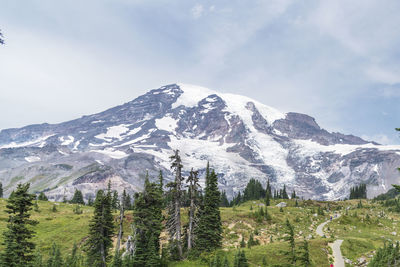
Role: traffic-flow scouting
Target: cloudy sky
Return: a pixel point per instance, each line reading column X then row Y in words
column 338, row 61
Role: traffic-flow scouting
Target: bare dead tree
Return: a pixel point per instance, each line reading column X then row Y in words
column 193, row 182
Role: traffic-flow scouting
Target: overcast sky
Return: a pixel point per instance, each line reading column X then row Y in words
column 338, row 61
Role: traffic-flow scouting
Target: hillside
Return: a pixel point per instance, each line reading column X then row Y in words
column 242, row 138
column 363, row 229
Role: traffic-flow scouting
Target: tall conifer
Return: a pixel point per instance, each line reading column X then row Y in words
column 18, row 247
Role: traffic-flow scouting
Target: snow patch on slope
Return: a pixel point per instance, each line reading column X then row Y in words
column 38, row 142
column 113, row 132
column 66, row 140
column 32, row 159
column 167, row 123
column 115, row 154
column 192, row 95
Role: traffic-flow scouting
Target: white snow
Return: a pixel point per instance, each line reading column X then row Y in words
column 115, row 154
column 66, row 140
column 37, row 142
column 93, row 122
column 32, row 159
column 192, row 95
column 113, row 132
column 309, row 148
column 167, row 123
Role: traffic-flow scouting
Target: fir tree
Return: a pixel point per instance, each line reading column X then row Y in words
column 304, row 256
column 101, row 230
column 1, row 38
column 42, row 197
column 174, row 207
column 291, row 253
column 240, row 259
column 117, row 260
column 18, row 246
column 284, row 194
column 267, row 200
column 1, row 190
column 115, row 200
column 126, row 200
column 209, row 229
column 224, row 200
column 147, row 219
column 77, row 198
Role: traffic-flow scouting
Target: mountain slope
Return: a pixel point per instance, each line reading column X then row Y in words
column 241, row 138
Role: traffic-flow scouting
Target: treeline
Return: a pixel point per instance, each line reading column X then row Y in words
column 201, row 233
column 358, row 192
column 389, row 256
column 255, row 191
column 77, row 198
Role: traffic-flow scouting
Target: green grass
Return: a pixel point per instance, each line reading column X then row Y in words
column 362, row 234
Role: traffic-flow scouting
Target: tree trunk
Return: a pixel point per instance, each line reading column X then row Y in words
column 191, row 219
column 121, row 219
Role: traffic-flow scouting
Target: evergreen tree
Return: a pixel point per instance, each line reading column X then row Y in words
column 293, row 196
column 115, row 200
column 253, row 190
column 268, row 189
column 224, row 200
column 117, row 260
column 226, row 262
column 240, row 259
column 174, row 206
column 284, row 194
column 291, row 253
column 73, row 260
column 77, row 198
column 126, row 200
column 193, row 182
column 1, row 38
column 55, row 259
column 1, row 190
column 147, row 221
column 267, row 200
column 101, row 230
column 358, row 192
column 42, row 197
column 37, row 259
column 209, row 229
column 304, row 258
column 90, row 201
column 18, row 246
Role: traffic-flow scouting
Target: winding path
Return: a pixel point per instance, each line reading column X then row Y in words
column 337, row 253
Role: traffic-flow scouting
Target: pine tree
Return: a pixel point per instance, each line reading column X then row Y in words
column 117, row 260
column 267, row 200
column 77, row 198
column 55, row 259
column 147, row 219
column 42, row 197
column 1, row 190
column 174, row 207
column 18, row 246
column 101, row 230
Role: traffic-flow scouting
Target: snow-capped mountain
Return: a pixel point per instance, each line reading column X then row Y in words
column 240, row 137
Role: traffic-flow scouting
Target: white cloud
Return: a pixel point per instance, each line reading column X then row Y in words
column 197, row 11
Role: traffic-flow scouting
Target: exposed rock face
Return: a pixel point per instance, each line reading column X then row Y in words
column 241, row 138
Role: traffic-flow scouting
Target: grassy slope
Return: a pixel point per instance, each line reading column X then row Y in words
column 362, row 236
